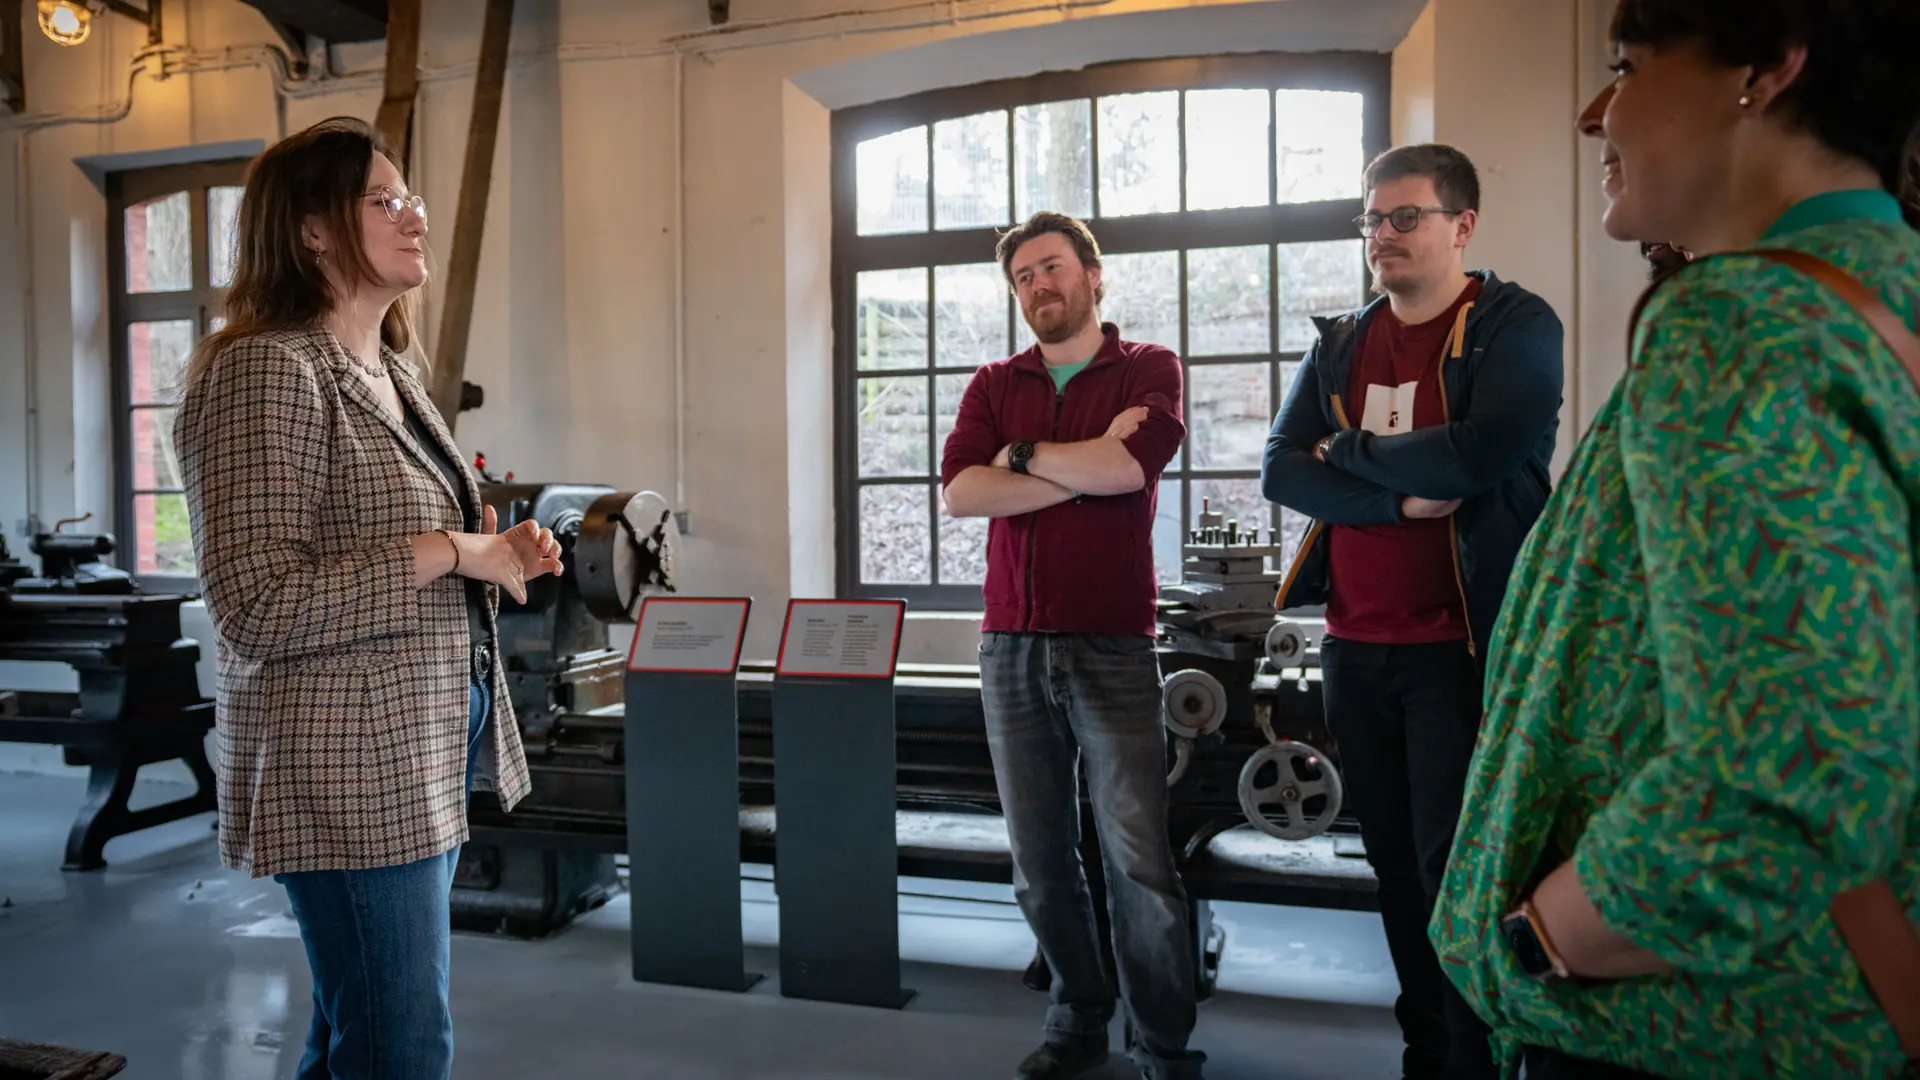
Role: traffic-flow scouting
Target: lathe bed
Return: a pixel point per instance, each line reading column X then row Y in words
column 948, row 823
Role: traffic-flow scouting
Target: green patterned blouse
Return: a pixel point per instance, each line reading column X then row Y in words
column 1703, row 686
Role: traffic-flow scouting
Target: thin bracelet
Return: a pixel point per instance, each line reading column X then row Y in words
column 456, row 550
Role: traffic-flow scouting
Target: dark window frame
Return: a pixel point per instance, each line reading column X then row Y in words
column 199, row 303
column 1276, row 223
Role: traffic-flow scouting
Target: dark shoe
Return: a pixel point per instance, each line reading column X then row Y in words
column 1058, row 1061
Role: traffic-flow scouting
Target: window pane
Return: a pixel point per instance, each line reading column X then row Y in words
column 1227, row 301
column 1140, row 154
column 159, row 248
column 216, row 324
column 157, row 355
column 971, row 304
column 893, row 426
column 963, row 550
column 223, row 214
column 155, row 465
column 1169, row 533
column 890, row 182
column 1293, row 529
column 1288, row 370
column 894, row 546
column 1227, row 414
column 1227, row 149
column 162, row 537
column 1143, row 296
column 1321, row 144
column 947, row 390
column 970, row 171
column 1053, row 156
column 1325, row 278
column 1239, row 500
column 892, row 321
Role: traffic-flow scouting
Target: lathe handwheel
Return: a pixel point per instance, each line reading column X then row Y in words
column 1304, row 775
column 1286, row 645
column 1195, row 703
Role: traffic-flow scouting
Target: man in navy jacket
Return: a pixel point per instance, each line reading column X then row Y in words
column 1418, row 436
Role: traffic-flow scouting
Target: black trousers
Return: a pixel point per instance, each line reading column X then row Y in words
column 1553, row 1065
column 1406, row 718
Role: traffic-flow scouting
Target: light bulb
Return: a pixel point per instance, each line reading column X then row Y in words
column 65, row 22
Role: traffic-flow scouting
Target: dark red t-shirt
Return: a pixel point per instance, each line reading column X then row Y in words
column 1395, row 584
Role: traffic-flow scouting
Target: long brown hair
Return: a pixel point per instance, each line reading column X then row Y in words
column 277, row 282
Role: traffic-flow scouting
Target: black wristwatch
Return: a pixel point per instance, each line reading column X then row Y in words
column 1530, row 944
column 1320, row 448
column 1018, row 455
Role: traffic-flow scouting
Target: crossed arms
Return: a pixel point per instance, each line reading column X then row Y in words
column 1367, row 479
column 1138, row 443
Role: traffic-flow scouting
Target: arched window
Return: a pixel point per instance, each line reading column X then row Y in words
column 1222, row 192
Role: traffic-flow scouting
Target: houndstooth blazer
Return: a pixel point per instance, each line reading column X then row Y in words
column 342, row 699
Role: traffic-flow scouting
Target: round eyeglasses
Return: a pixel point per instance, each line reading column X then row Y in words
column 1403, row 218
column 396, row 205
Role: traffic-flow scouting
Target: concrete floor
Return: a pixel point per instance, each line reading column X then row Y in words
column 196, row 973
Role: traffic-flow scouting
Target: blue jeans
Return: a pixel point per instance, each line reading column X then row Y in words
column 377, row 943
column 1052, row 702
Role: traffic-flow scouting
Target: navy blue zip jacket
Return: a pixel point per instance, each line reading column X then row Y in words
column 1502, row 384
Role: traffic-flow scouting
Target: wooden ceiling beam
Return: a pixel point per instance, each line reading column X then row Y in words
column 470, row 217
column 395, row 118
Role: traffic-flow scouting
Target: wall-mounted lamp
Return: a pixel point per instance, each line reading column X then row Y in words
column 65, row 22
column 68, row 22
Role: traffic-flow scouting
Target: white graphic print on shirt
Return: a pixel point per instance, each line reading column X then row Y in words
column 1389, row 409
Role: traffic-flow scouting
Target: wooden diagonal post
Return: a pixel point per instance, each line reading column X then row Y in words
column 395, row 118
column 13, row 80
column 469, row 221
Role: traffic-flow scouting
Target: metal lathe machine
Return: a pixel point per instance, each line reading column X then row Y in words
column 1256, row 794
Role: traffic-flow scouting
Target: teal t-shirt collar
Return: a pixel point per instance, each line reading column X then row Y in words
column 1066, row 371
column 1832, row 206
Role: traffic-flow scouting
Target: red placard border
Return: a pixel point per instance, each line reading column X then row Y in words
column 739, row 640
column 893, row 663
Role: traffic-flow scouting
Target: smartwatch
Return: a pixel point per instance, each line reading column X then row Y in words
column 1531, row 947
column 1019, row 454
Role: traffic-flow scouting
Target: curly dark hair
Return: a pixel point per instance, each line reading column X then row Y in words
column 1860, row 91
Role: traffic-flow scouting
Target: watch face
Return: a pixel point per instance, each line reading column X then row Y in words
column 1525, row 945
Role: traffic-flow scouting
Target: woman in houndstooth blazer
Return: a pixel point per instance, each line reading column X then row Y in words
column 351, row 575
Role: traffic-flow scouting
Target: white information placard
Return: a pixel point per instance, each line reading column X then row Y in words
column 689, row 634
column 841, row 638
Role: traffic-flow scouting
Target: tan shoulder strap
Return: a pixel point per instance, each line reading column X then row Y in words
column 1891, row 328
column 1885, row 943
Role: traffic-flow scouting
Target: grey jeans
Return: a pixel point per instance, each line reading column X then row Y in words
column 1054, row 701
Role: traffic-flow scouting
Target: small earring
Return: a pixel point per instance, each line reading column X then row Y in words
column 1746, row 101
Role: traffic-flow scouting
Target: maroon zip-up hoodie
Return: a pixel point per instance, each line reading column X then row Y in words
column 1083, row 566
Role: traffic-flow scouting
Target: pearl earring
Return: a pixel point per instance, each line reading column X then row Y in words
column 1746, row 101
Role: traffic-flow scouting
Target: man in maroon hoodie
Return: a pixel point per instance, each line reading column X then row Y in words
column 1062, row 446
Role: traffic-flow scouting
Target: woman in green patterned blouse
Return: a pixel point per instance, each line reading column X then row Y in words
column 1703, row 712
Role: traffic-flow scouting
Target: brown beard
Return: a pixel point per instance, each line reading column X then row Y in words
column 1078, row 311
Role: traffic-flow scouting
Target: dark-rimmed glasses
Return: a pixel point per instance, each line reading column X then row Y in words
column 1404, row 218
